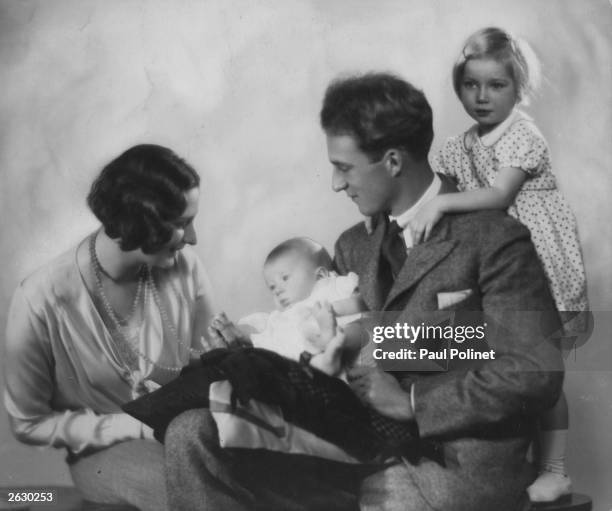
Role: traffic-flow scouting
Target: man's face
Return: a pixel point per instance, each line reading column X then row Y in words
column 368, row 184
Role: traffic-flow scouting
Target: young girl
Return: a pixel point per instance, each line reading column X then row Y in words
column 503, row 162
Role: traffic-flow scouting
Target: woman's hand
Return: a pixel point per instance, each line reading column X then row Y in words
column 119, row 427
column 425, row 220
column 329, row 361
column 381, row 391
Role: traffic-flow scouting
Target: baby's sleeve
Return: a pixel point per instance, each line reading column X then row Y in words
column 257, row 322
column 522, row 147
column 346, row 285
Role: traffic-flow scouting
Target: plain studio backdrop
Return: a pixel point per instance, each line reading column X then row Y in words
column 235, row 87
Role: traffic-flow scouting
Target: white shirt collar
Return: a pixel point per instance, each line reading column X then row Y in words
column 404, row 219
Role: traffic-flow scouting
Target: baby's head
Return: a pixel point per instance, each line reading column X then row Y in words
column 494, row 73
column 292, row 269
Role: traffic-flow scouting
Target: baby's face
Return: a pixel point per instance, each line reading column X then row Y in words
column 291, row 278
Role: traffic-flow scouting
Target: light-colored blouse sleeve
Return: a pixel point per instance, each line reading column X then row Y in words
column 205, row 306
column 29, row 369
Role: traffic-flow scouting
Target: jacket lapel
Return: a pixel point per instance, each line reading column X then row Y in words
column 420, row 261
column 424, row 257
column 421, row 258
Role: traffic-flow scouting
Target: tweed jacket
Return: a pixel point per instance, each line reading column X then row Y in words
column 481, row 411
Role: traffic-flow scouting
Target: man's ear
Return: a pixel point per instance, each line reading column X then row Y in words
column 393, row 161
column 321, row 273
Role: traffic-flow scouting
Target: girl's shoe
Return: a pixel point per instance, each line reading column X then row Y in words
column 549, row 486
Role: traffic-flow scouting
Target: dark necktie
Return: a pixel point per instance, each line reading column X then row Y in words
column 392, row 256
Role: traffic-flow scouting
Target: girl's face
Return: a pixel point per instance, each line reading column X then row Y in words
column 183, row 234
column 487, row 92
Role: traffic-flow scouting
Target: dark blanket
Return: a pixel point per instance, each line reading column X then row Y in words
column 308, row 398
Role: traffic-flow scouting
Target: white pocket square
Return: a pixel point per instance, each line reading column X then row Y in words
column 451, row 298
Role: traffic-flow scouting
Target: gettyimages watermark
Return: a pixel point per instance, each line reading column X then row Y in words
column 449, row 340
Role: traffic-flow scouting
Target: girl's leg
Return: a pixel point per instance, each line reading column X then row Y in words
column 553, row 481
column 130, row 472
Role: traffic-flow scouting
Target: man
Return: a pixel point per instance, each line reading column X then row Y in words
column 379, row 131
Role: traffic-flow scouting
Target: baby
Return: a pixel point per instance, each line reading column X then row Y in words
column 311, row 300
column 260, row 401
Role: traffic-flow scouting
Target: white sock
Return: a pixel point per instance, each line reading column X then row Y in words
column 553, row 445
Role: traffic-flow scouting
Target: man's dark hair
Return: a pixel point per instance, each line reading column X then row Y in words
column 138, row 195
column 381, row 111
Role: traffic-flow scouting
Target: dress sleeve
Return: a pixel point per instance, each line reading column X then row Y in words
column 29, row 367
column 447, row 159
column 522, row 147
column 205, row 306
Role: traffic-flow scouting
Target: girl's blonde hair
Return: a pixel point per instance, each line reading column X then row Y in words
column 495, row 43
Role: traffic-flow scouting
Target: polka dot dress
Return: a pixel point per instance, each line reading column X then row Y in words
column 474, row 161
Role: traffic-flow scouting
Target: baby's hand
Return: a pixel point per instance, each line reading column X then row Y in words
column 228, row 332
column 326, row 319
column 425, row 220
column 213, row 340
column 330, row 360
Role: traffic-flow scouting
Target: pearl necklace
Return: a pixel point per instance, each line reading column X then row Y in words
column 164, row 315
column 128, row 351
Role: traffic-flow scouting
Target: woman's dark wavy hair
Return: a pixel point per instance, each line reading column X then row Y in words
column 381, row 111
column 139, row 194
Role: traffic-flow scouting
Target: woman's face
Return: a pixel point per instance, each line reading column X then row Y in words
column 183, row 234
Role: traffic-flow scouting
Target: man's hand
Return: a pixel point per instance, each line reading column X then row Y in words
column 425, row 220
column 223, row 329
column 381, row 391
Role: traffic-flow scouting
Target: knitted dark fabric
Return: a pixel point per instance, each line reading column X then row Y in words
column 308, row 398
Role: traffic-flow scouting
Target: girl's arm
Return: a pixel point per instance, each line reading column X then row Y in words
column 499, row 196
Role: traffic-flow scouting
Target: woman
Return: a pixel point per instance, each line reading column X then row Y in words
column 107, row 321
